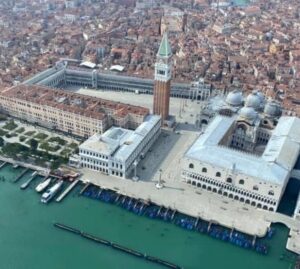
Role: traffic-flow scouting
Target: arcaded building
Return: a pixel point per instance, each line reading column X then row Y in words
column 69, row 112
column 247, row 151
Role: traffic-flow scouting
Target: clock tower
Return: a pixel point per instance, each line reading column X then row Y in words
column 162, row 76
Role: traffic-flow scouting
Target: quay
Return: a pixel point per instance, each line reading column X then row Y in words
column 67, row 190
column 115, row 246
column 154, row 211
column 184, row 199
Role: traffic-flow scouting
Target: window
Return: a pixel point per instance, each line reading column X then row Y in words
column 241, row 181
column 218, row 174
column 191, row 165
column 271, row 192
column 204, row 170
column 229, row 180
column 161, row 72
column 255, row 188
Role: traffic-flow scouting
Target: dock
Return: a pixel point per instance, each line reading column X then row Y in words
column 19, row 176
column 27, row 183
column 67, row 190
column 3, row 164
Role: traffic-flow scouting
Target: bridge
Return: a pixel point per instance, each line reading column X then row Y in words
column 293, row 242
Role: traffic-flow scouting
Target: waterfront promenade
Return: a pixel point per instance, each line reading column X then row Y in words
column 165, row 158
column 208, row 206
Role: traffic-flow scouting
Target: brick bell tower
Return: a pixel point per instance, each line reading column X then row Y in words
column 162, row 76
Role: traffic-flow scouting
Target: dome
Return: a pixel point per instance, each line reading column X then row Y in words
column 255, row 100
column 234, row 98
column 272, row 109
column 248, row 113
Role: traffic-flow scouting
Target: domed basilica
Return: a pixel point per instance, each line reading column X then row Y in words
column 255, row 117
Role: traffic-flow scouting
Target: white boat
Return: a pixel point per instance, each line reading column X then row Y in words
column 50, row 193
column 43, row 185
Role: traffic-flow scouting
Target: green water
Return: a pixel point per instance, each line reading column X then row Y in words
column 28, row 239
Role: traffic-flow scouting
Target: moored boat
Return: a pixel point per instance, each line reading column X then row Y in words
column 50, row 193
column 43, row 185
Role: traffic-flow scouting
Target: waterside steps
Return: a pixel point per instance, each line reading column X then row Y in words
column 19, row 176
column 116, row 246
column 67, row 190
column 27, row 183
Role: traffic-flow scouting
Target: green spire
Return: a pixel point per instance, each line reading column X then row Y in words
column 164, row 48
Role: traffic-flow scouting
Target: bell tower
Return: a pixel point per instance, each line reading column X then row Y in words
column 162, row 76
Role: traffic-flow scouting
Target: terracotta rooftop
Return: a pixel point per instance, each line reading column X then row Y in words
column 72, row 102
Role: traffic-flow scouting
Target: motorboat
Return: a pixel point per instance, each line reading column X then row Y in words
column 51, row 192
column 43, row 185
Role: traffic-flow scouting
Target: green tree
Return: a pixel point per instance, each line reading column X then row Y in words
column 34, row 144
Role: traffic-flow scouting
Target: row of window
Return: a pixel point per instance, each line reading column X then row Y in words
column 120, row 166
column 104, row 170
column 91, row 161
column 116, row 173
column 98, row 155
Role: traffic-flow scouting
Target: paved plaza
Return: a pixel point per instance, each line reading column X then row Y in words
column 184, row 110
column 164, row 158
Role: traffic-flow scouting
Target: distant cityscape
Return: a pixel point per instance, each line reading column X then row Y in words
column 252, row 47
column 183, row 111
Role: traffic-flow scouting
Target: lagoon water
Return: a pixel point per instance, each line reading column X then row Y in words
column 28, row 239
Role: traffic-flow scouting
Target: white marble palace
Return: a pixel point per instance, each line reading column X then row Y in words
column 246, row 152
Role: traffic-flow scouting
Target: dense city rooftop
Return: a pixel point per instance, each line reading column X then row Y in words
column 72, row 102
column 253, row 46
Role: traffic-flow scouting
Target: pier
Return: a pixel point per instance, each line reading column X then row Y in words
column 21, row 175
column 27, row 183
column 3, row 164
column 116, row 246
column 67, row 190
